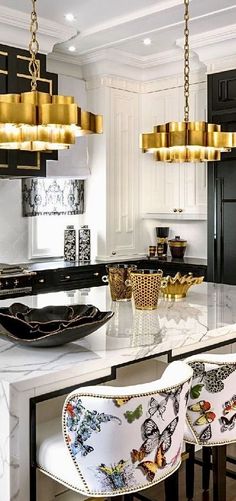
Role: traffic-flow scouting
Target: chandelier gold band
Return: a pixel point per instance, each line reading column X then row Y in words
column 33, row 118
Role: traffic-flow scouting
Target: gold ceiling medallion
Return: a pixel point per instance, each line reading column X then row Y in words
column 187, row 141
column 39, row 121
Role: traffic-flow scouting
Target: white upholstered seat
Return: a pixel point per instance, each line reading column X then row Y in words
column 117, row 440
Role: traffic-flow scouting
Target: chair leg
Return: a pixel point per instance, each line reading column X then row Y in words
column 206, row 467
column 129, row 497
column 190, row 449
column 172, row 487
column 219, row 472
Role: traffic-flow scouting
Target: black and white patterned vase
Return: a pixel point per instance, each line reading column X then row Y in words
column 70, row 243
column 84, row 243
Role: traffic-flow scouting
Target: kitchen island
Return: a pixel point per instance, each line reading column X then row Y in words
column 205, row 320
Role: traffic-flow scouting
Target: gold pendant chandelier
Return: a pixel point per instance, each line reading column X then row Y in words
column 38, row 121
column 187, row 141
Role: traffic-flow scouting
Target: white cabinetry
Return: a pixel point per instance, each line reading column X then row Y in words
column 123, row 171
column 74, row 161
column 173, row 190
column 113, row 187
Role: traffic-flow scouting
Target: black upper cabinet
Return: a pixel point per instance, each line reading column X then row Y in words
column 222, row 183
column 222, row 91
column 15, row 78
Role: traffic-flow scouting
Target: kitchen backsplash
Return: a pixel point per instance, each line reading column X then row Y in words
column 195, row 232
column 14, row 228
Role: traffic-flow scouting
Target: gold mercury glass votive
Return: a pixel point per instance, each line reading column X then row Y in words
column 146, row 285
column 119, row 281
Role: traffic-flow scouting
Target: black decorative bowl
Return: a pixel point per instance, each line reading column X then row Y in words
column 50, row 326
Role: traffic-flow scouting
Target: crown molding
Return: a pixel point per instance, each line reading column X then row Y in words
column 218, row 65
column 123, row 57
column 124, row 65
column 15, row 30
column 113, row 81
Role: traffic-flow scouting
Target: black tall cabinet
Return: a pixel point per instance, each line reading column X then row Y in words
column 222, row 183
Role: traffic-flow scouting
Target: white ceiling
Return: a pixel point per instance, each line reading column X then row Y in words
column 123, row 24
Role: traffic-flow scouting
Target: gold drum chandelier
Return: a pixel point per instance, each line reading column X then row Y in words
column 187, row 141
column 38, row 121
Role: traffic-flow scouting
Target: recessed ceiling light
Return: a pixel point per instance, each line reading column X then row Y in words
column 70, row 17
column 147, row 41
column 72, row 48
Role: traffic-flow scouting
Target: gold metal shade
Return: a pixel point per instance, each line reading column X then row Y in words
column 39, row 121
column 187, row 141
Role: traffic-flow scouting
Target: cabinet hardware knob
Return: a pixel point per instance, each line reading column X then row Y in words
column 67, row 277
column 41, row 280
column 180, row 210
column 113, row 253
column 96, row 274
column 175, row 210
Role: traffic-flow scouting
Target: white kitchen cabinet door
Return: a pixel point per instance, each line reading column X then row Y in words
column 166, row 188
column 74, row 161
column 123, row 176
column 193, row 176
column 160, row 189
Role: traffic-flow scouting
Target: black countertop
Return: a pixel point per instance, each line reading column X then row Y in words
column 54, row 264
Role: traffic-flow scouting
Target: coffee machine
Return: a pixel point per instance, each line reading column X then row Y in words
column 162, row 233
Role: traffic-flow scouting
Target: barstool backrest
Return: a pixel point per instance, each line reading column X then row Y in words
column 126, row 439
column 211, row 410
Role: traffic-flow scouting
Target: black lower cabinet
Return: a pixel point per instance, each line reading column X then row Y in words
column 79, row 277
column 69, row 278
column 171, row 268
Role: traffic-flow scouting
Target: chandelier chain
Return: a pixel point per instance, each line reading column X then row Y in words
column 186, row 60
column 34, row 48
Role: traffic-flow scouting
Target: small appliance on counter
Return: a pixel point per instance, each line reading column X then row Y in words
column 69, row 243
column 84, row 243
column 177, row 247
column 162, row 233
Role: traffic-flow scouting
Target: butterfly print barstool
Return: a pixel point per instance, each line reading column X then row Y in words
column 117, row 441
column 211, row 419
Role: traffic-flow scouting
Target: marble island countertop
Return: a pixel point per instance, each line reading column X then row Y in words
column 31, row 377
column 204, row 319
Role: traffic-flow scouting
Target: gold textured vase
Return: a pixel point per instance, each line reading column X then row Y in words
column 146, row 286
column 119, row 281
column 177, row 287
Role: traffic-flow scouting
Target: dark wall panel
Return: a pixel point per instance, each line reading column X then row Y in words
column 15, row 78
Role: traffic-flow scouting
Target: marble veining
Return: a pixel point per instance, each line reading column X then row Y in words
column 206, row 318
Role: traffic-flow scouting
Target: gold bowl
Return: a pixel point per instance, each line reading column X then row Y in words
column 177, row 287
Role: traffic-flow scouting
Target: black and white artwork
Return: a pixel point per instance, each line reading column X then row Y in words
column 52, row 197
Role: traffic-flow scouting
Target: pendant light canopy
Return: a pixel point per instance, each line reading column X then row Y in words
column 187, row 141
column 38, row 121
